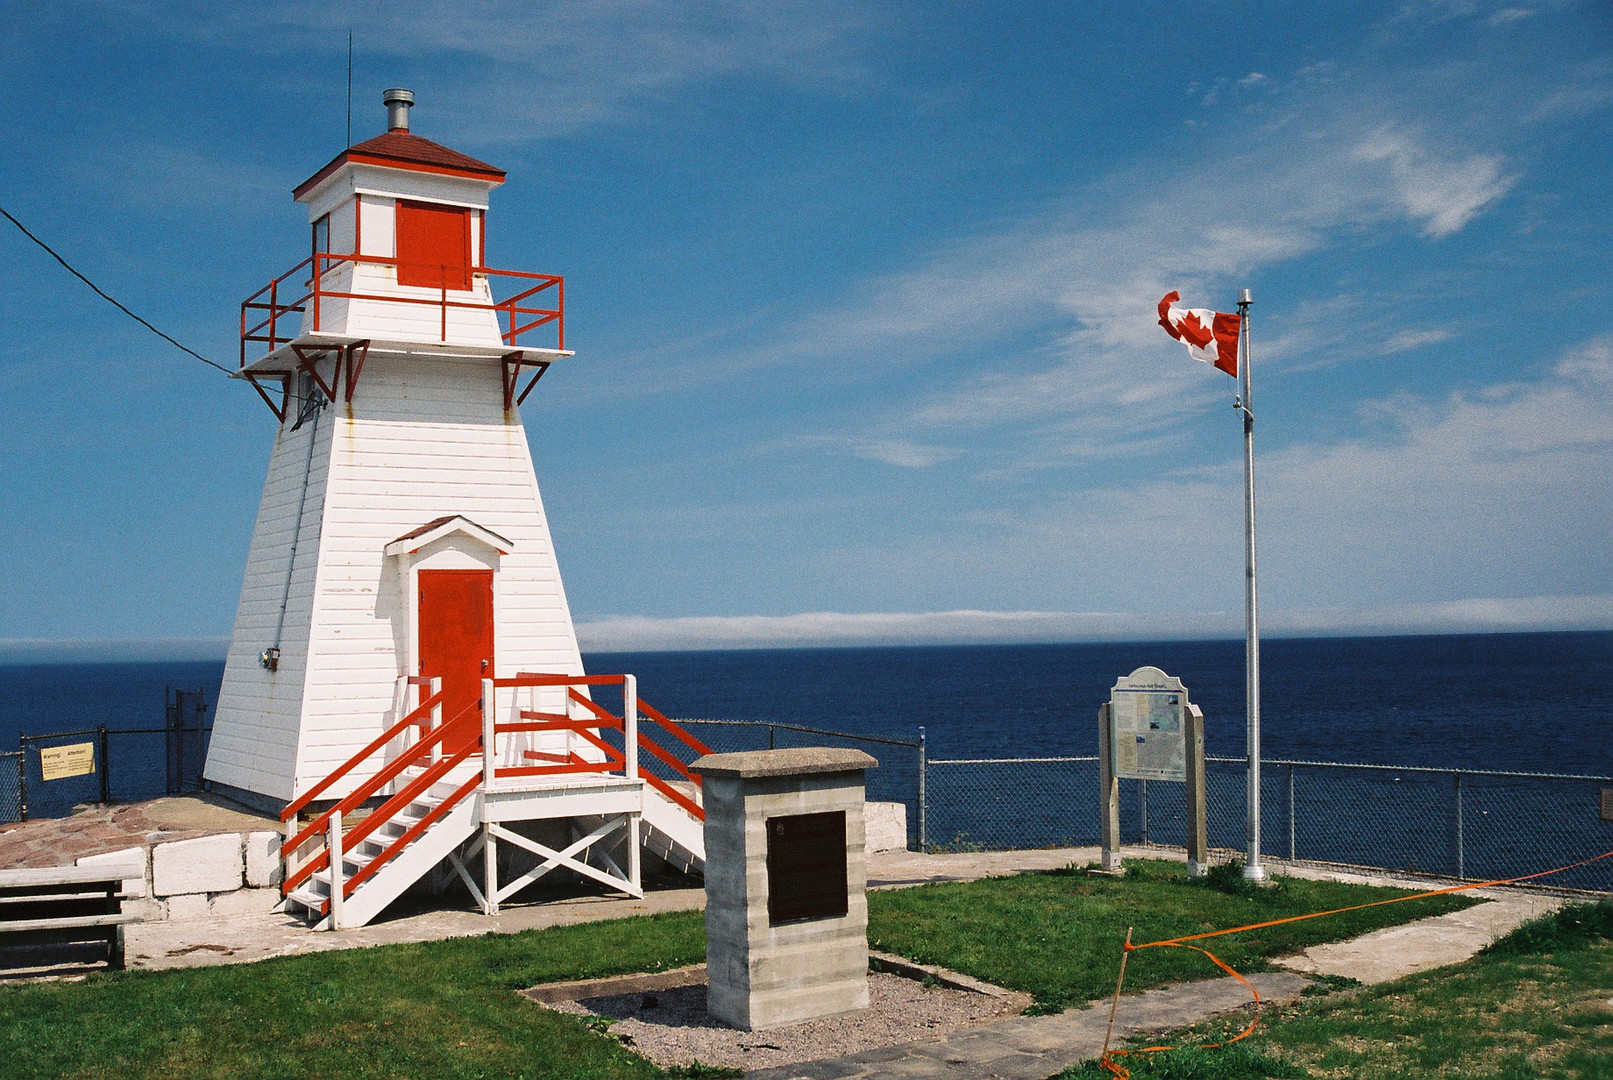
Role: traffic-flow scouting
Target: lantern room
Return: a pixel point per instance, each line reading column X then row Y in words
column 398, row 253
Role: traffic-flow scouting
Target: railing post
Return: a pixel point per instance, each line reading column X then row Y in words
column 22, row 778
column 333, row 845
column 489, row 870
column 489, row 735
column 1290, row 813
column 924, row 794
column 770, row 732
column 433, row 688
column 286, row 860
column 106, row 769
column 630, row 724
column 1461, row 861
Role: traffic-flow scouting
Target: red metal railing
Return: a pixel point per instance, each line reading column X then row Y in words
column 426, row 753
column 600, row 719
column 278, row 306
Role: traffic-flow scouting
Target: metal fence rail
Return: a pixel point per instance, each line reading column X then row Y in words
column 1463, row 823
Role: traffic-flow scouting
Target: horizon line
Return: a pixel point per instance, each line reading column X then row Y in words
column 817, row 630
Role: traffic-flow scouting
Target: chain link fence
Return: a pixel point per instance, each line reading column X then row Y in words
column 121, row 764
column 899, row 777
column 1462, row 823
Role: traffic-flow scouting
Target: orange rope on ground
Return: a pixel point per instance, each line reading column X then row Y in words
column 1108, row 1061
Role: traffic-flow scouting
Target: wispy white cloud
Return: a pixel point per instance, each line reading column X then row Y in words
column 1408, row 340
column 123, row 650
column 535, row 70
column 906, row 454
column 1444, row 192
column 828, row 628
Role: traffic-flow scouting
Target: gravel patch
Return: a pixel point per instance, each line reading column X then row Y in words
column 670, row 1026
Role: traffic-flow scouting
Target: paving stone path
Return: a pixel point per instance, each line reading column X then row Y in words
column 1037, row 1047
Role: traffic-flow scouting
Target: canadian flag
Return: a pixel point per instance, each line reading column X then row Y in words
column 1210, row 336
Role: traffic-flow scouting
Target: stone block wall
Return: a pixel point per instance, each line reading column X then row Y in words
column 221, row 874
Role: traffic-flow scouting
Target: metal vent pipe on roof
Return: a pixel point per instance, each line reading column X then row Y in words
column 398, row 102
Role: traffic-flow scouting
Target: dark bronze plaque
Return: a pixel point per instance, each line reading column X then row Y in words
column 806, row 867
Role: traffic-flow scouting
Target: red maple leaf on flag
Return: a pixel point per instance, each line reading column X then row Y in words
column 1194, row 332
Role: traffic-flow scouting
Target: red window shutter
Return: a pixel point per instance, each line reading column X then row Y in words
column 433, row 245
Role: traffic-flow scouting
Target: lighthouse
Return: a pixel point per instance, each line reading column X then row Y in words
column 403, row 635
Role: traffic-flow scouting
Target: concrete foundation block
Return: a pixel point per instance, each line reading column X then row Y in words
column 207, row 864
column 188, row 906
column 263, row 859
column 244, row 902
column 134, row 858
column 885, row 826
column 146, row 910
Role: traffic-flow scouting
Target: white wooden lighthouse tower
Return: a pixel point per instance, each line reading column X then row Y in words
column 402, row 576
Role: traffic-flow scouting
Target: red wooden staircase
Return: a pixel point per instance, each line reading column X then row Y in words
column 438, row 792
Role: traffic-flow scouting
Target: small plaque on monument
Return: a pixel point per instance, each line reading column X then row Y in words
column 806, row 867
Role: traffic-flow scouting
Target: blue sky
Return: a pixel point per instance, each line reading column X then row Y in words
column 863, row 303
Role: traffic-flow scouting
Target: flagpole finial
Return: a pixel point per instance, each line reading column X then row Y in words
column 1243, row 297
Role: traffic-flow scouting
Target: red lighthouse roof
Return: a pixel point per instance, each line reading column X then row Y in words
column 400, row 149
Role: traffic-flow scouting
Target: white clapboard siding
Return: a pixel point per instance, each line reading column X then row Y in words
column 423, row 438
column 255, row 728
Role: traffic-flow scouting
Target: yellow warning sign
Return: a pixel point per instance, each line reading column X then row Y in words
column 60, row 762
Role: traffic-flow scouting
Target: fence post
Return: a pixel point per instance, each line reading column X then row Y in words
column 106, row 769
column 1290, row 813
column 1142, row 806
column 22, row 778
column 1461, row 867
column 924, row 795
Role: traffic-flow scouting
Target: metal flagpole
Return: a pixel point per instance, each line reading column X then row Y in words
column 1253, row 868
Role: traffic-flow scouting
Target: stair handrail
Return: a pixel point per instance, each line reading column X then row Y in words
column 660, row 753
column 409, row 834
column 410, row 792
column 296, row 805
column 362, row 793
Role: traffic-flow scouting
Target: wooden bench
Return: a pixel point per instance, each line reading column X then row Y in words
column 67, row 905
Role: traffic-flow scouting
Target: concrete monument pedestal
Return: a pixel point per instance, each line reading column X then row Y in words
column 786, row 910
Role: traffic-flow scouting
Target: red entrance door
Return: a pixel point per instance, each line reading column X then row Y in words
column 456, row 645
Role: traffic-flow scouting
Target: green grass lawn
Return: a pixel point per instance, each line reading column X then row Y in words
column 442, row 1009
column 1058, row 935
column 1537, row 1004
column 446, row 1009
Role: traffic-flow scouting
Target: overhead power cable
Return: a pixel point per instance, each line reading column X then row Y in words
column 102, row 294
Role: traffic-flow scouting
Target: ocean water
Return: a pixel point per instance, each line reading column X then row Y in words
column 1527, row 702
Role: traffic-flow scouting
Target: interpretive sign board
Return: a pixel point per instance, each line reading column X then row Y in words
column 1147, row 708
column 61, row 762
column 1149, row 731
column 806, row 867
